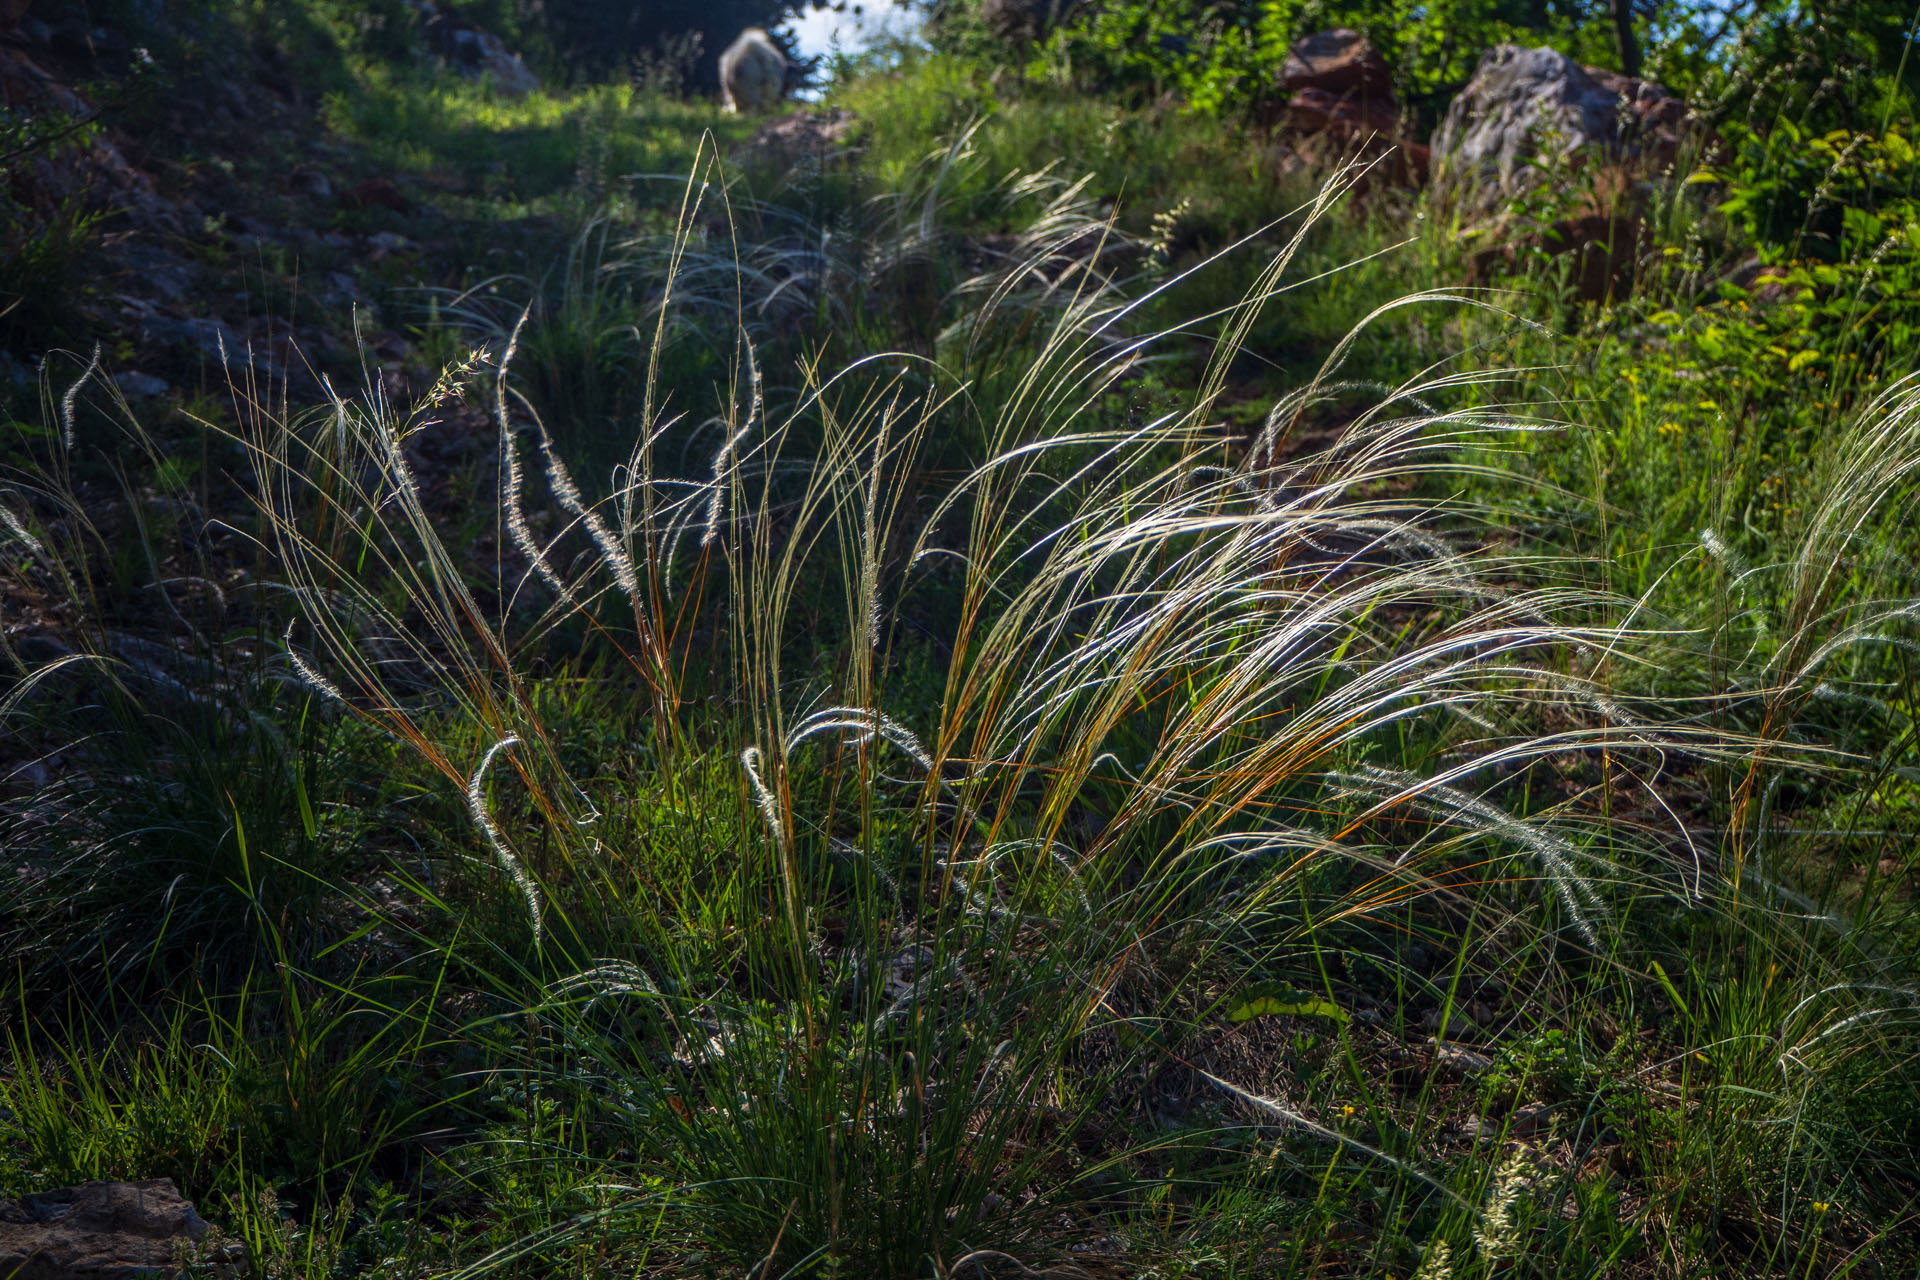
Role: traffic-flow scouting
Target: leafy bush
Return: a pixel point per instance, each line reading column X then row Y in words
column 1225, row 55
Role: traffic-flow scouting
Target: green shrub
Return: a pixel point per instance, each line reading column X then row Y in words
column 1224, row 56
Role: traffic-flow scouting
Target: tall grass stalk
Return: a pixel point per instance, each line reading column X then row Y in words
column 1182, row 688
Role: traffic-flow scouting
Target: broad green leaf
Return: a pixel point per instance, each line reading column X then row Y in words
column 1263, row 1004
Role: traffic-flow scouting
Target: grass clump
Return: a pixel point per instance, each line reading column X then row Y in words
column 890, row 720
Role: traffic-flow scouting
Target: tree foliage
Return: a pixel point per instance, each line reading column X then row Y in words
column 1222, row 55
column 596, row 38
column 1840, row 62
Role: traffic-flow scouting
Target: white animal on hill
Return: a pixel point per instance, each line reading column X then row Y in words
column 753, row 72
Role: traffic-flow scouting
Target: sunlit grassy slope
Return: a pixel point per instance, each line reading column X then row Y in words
column 925, row 712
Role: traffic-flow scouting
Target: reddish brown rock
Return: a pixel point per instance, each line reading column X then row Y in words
column 1486, row 265
column 1650, row 122
column 1341, row 62
column 1342, row 108
column 1607, row 249
column 98, row 1231
column 1418, row 157
column 1347, row 118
